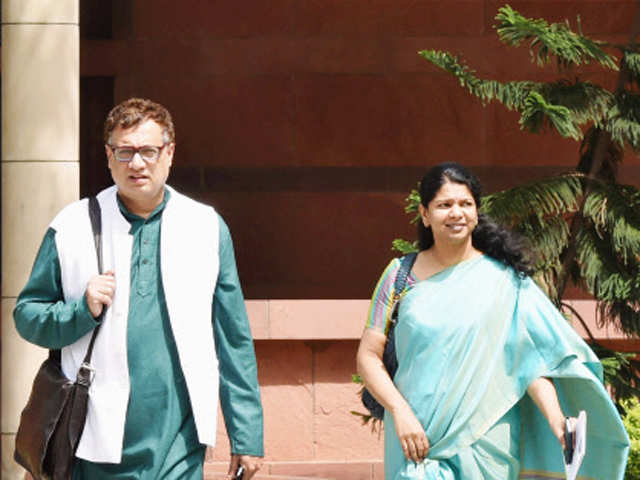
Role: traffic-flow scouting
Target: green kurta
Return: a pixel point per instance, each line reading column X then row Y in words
column 160, row 439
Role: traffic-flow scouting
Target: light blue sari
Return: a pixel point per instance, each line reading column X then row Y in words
column 469, row 341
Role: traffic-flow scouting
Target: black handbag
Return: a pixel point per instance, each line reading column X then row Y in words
column 389, row 358
column 54, row 417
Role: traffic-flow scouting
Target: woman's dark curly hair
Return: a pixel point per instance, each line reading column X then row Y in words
column 488, row 237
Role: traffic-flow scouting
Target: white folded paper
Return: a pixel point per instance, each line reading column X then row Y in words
column 580, row 447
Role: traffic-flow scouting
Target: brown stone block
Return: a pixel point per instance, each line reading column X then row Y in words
column 339, row 433
column 507, row 144
column 164, row 57
column 281, row 55
column 195, row 18
column 324, row 470
column 342, row 54
column 380, row 120
column 258, row 313
column 396, row 179
column 103, row 57
column 378, row 471
column 312, row 245
column 284, row 373
column 202, row 57
column 480, row 53
column 227, row 120
column 350, row 18
column 629, row 171
column 489, row 59
column 596, row 17
column 382, row 17
column 317, row 319
column 455, row 18
column 601, row 330
column 222, row 450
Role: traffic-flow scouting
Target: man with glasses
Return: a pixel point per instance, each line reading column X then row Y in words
column 174, row 335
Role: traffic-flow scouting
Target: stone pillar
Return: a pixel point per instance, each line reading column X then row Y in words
column 40, row 169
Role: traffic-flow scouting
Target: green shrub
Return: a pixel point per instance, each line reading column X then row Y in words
column 631, row 421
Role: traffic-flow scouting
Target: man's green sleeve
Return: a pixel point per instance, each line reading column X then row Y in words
column 41, row 315
column 239, row 391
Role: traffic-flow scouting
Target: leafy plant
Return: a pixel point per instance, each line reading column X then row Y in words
column 584, row 226
column 631, row 420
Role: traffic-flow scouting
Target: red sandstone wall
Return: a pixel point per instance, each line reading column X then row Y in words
column 306, row 122
column 330, row 104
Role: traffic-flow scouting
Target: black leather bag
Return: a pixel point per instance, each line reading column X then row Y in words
column 389, row 358
column 53, row 420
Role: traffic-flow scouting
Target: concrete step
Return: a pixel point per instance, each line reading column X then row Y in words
column 306, row 470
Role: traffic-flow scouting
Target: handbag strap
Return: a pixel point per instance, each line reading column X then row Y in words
column 96, row 227
column 406, row 264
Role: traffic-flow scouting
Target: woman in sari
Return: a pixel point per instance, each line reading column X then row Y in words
column 487, row 367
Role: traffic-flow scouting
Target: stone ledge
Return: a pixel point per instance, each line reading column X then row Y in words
column 307, row 319
column 344, row 320
column 306, row 470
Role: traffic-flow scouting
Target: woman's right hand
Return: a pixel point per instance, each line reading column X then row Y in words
column 100, row 291
column 413, row 439
column 376, row 378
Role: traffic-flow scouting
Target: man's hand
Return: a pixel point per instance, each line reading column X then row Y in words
column 100, row 291
column 251, row 465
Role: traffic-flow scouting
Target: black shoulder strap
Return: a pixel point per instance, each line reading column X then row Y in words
column 95, row 215
column 406, row 264
column 96, row 227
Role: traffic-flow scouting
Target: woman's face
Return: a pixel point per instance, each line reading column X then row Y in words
column 452, row 214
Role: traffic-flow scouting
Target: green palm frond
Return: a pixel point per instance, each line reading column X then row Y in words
column 603, row 275
column 558, row 195
column 401, row 245
column 511, row 94
column 537, row 114
column 594, row 241
column 620, row 371
column 624, row 314
column 404, row 246
column 624, row 120
column 546, row 278
column 632, row 62
column 549, row 237
column 563, row 105
column 413, row 200
column 622, row 129
column 547, row 40
column 587, row 102
column 615, row 213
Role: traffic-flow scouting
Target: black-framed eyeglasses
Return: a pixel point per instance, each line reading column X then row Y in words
column 148, row 153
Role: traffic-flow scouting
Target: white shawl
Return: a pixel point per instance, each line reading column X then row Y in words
column 189, row 264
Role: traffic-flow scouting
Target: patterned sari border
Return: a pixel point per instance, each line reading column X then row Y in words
column 544, row 475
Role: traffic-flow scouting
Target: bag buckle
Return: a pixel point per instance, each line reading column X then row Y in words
column 86, row 373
